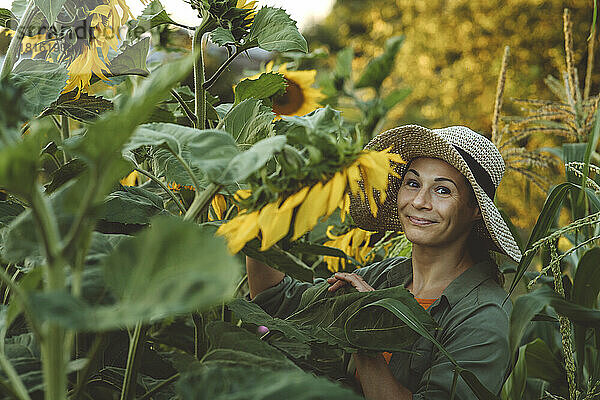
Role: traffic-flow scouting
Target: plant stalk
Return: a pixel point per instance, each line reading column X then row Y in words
column 133, row 362
column 199, row 91
column 211, row 81
column 164, row 187
column 161, row 385
column 201, row 201
column 565, row 327
column 14, row 48
column 65, row 133
column 186, row 109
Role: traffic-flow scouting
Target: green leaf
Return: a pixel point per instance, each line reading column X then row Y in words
column 266, row 85
column 67, row 172
column 85, row 108
column 247, row 162
column 274, row 30
column 9, row 210
column 395, row 97
column 249, row 121
column 243, row 383
column 174, row 267
column 281, row 260
column 592, row 144
column 8, row 19
column 153, row 15
column 343, row 63
column 50, row 9
column 221, row 37
column 514, row 387
column 233, row 346
column 131, row 205
column 41, row 81
column 132, row 60
column 19, row 166
column 380, row 67
column 213, row 151
column 586, row 286
column 402, row 311
column 552, row 206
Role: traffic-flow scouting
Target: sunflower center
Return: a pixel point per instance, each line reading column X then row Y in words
column 289, row 102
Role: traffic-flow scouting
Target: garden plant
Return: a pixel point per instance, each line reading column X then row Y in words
column 129, row 199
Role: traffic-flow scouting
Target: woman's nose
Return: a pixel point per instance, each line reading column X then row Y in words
column 422, row 199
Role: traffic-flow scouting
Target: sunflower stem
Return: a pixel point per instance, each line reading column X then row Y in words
column 14, row 48
column 188, row 112
column 199, row 92
column 65, row 133
column 133, row 362
column 164, row 187
column 201, row 202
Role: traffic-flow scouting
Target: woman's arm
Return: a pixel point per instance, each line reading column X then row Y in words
column 261, row 276
column 377, row 380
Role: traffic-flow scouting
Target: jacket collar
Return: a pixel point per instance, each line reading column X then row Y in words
column 401, row 274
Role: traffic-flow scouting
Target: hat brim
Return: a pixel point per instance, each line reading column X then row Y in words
column 413, row 141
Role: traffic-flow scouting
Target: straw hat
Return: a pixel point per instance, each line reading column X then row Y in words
column 470, row 153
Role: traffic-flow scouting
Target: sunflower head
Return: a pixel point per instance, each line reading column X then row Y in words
column 233, row 15
column 300, row 97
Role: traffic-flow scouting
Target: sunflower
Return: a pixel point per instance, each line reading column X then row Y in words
column 219, row 207
column 299, row 97
column 133, row 179
column 354, row 243
column 105, row 21
column 311, row 203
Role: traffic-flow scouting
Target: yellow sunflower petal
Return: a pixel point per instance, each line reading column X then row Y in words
column 219, row 205
column 338, row 187
column 242, row 194
column 313, row 207
column 294, row 200
column 353, row 174
column 274, row 224
column 130, row 180
column 245, row 228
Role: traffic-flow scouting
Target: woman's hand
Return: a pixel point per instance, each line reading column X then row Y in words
column 340, row 279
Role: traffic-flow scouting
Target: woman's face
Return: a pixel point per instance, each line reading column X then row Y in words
column 434, row 204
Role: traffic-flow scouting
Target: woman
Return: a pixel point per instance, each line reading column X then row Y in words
column 444, row 204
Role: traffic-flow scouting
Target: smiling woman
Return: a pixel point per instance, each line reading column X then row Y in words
column 442, row 198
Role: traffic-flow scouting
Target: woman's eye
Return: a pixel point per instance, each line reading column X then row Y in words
column 442, row 190
column 411, row 183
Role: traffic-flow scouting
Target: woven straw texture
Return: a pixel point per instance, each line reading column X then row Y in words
column 413, row 141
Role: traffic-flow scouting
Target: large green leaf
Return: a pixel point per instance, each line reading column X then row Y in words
column 404, row 313
column 132, row 60
column 266, row 85
column 243, row 383
column 50, row 9
column 19, row 165
column 83, row 108
column 380, row 67
column 171, row 268
column 153, row 15
column 274, row 30
column 247, row 162
column 41, row 81
column 249, row 121
column 281, row 260
column 233, row 346
column 213, row 151
column 131, row 205
column 340, row 320
column 552, row 206
column 71, row 170
column 535, row 361
column 586, row 286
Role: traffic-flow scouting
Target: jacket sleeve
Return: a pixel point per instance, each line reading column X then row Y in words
column 478, row 341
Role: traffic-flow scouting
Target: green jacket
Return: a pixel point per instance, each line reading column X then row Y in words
column 474, row 328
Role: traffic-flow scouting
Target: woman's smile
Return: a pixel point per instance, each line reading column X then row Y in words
column 420, row 221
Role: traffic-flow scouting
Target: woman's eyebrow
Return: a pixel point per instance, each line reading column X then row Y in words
column 413, row 171
column 445, row 179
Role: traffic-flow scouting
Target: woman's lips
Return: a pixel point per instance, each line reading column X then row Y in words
column 420, row 221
